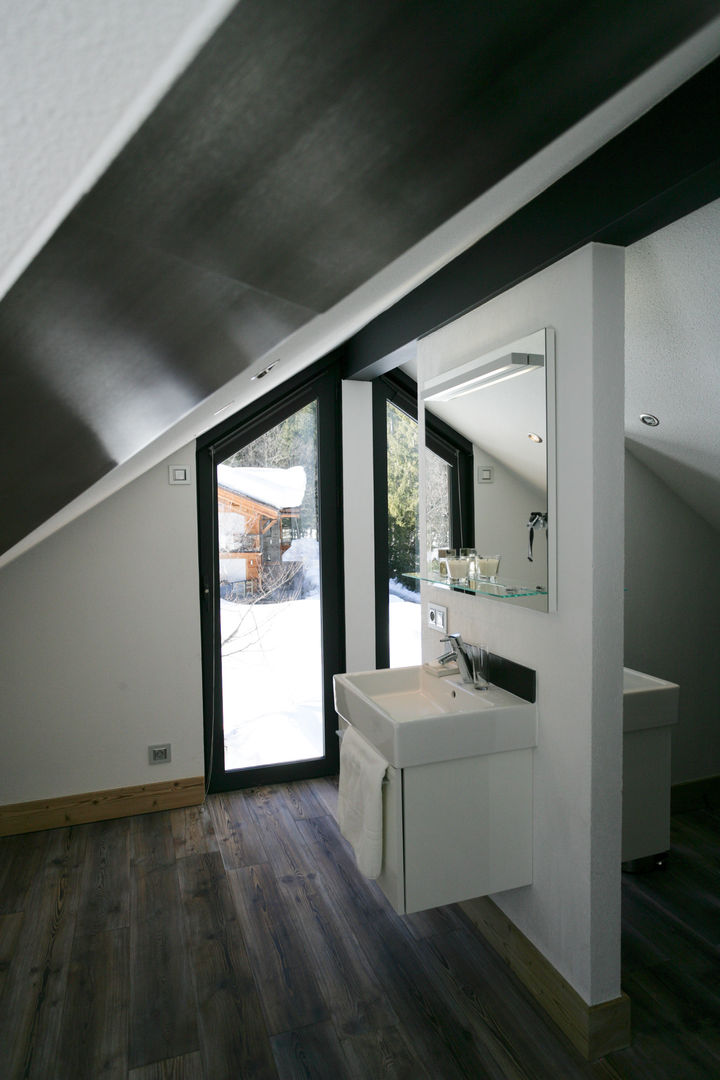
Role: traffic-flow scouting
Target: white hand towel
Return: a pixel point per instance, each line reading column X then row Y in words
column 360, row 816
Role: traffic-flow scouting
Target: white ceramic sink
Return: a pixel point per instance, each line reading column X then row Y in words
column 648, row 702
column 415, row 718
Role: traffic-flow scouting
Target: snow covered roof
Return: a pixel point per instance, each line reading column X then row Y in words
column 281, row 488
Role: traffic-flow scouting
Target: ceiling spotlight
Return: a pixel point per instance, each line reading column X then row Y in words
column 266, row 371
column 648, row 419
column 534, row 436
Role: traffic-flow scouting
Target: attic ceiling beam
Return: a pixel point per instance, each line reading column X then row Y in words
column 662, row 167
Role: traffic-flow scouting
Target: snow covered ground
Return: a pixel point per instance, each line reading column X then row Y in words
column 272, row 687
column 405, row 645
column 272, row 692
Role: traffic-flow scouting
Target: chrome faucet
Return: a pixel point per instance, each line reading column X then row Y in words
column 471, row 661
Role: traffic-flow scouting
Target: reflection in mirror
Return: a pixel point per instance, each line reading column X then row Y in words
column 503, row 403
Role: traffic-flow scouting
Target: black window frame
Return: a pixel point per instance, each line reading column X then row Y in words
column 399, row 389
column 322, row 381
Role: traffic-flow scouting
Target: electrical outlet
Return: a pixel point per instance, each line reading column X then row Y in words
column 159, row 754
column 437, row 617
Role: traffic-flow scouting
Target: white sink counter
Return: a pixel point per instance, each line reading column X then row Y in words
column 648, row 702
column 415, row 718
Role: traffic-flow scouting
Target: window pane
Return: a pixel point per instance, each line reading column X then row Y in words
column 403, row 548
column 438, row 473
column 270, row 597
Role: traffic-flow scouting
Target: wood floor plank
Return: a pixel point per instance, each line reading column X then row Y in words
column 311, row 1053
column 661, row 1053
column 94, row 1040
column 10, row 926
column 382, row 1053
column 234, row 1039
column 186, row 1067
column 237, row 834
column 350, row 989
column 433, row 1030
column 302, row 800
column 286, row 852
column 151, row 840
column 34, row 993
column 442, row 920
column 333, row 858
column 648, row 940
column 300, row 956
column 193, row 831
column 21, row 859
column 678, row 1000
column 105, row 899
column 689, row 896
column 283, row 971
column 503, row 1017
column 326, row 791
column 163, row 1006
column 439, row 1031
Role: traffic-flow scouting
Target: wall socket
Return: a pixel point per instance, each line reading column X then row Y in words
column 159, row 754
column 437, row 617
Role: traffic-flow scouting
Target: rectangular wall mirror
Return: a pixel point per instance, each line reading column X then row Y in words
column 504, row 403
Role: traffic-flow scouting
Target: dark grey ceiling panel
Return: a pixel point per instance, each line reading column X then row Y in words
column 307, row 146
column 105, row 344
column 310, row 144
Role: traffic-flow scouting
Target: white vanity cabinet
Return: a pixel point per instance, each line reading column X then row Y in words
column 650, row 709
column 457, row 802
column 457, row 829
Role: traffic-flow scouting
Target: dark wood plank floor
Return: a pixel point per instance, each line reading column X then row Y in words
column 237, row 940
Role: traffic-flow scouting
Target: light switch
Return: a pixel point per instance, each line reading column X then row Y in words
column 485, row 474
column 178, row 474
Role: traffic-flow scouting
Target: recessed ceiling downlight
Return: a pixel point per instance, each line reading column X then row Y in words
column 648, row 419
column 265, row 371
column 534, row 436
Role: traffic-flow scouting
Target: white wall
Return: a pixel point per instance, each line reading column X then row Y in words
column 672, row 619
column 358, row 526
column 672, row 330
column 501, row 510
column 101, row 647
column 572, row 910
column 672, row 611
column 101, row 635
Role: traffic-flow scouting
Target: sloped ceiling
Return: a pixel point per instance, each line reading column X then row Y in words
column 672, row 357
column 305, row 148
column 76, row 81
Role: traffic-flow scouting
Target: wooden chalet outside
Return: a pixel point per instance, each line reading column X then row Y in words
column 260, row 541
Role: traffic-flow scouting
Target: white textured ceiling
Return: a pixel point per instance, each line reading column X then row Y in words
column 672, row 356
column 77, row 78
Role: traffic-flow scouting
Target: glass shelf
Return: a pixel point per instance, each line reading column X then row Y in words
column 503, row 590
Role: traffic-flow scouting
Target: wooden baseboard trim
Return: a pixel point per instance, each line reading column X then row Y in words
column 594, row 1030
column 100, row 805
column 695, row 795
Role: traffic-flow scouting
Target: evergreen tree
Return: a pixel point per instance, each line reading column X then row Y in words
column 291, row 442
column 403, row 492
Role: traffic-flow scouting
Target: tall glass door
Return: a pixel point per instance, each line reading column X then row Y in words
column 276, row 545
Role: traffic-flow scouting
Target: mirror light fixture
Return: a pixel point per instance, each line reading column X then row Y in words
column 495, row 371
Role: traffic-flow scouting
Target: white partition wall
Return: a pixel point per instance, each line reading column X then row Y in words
column 571, row 912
